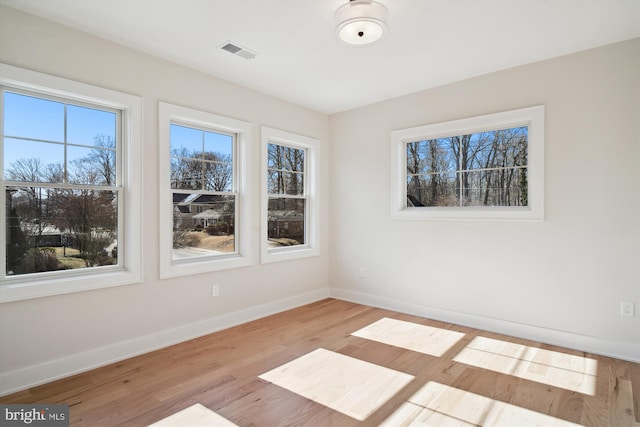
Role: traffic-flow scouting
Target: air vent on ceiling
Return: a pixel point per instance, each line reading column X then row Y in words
column 238, row 50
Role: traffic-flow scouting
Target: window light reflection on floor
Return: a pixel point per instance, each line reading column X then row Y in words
column 195, row 415
column 440, row 405
column 345, row 384
column 411, row 336
column 570, row 372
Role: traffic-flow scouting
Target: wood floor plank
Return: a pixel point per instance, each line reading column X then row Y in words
column 221, row 372
column 621, row 410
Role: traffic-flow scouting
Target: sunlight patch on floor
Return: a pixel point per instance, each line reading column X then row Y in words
column 410, row 336
column 440, row 405
column 195, row 415
column 351, row 386
column 570, row 372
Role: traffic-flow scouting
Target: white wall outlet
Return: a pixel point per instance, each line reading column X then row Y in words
column 626, row 308
column 363, row 272
column 215, row 290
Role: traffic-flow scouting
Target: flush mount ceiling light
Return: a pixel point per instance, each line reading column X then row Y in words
column 361, row 22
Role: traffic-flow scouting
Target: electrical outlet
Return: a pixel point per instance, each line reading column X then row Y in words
column 626, row 309
column 363, row 272
column 215, row 290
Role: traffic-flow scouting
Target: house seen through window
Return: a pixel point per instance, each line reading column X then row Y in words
column 202, row 185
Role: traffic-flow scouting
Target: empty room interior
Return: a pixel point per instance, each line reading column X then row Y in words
column 321, row 212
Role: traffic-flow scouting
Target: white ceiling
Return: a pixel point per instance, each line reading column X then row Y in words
column 429, row 43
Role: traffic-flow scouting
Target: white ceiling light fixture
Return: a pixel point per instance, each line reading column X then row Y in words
column 361, row 22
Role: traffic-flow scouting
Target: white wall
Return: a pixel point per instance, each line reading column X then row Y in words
column 47, row 337
column 560, row 280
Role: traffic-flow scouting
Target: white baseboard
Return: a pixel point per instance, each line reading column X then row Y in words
column 31, row 376
column 595, row 345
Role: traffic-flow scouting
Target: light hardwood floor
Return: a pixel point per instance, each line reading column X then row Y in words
column 478, row 378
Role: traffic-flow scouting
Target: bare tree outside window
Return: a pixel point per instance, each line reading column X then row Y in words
column 287, row 200
column 62, row 195
column 480, row 169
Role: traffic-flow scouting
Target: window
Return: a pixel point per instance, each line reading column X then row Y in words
column 71, row 206
column 205, row 214
column 488, row 167
column 290, row 206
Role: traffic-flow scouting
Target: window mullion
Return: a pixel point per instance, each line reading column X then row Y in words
column 202, row 162
column 286, row 196
column 460, row 172
column 3, row 201
column 64, row 149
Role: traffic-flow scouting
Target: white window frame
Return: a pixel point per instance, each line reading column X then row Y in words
column 175, row 114
column 129, row 269
column 312, row 244
column 533, row 117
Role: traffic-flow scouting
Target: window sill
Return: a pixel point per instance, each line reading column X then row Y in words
column 17, row 289
column 288, row 254
column 203, row 265
column 469, row 214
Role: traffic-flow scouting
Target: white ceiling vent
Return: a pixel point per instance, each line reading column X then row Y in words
column 234, row 48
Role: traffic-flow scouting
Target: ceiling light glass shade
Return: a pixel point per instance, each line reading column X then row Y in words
column 361, row 22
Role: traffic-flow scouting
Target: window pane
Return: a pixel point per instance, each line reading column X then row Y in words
column 193, row 168
column 219, row 144
column 501, row 187
column 186, row 142
column 285, row 158
column 30, row 160
column 34, row 118
column 218, row 176
column 37, row 161
column 52, row 229
column 496, row 149
column 286, row 222
column 95, row 166
column 88, row 126
column 432, row 190
column 279, row 182
column 285, row 174
column 186, row 174
column 432, row 156
column 482, row 150
column 203, row 225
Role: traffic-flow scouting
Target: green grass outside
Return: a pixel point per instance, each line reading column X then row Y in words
column 72, row 259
